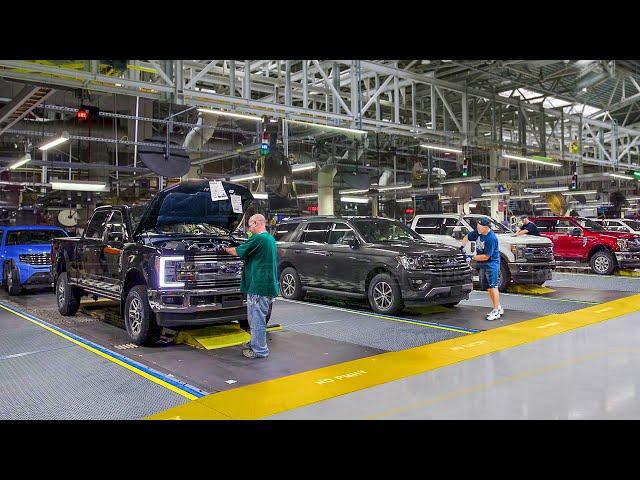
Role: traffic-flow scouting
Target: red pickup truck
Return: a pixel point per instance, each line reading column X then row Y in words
column 581, row 239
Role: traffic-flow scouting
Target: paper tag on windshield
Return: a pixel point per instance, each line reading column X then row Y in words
column 217, row 191
column 236, row 203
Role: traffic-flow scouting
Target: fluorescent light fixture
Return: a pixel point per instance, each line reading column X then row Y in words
column 480, row 200
column 260, row 196
column 543, row 208
column 440, row 148
column 535, row 204
column 308, row 196
column 387, row 188
column 445, row 201
column 245, row 178
column 524, row 197
column 79, row 186
column 531, row 160
column 26, row 158
column 354, row 199
column 328, row 127
column 353, row 191
column 580, row 192
column 472, row 205
column 494, row 194
column 460, row 180
column 230, row 114
column 301, row 167
column 404, row 200
column 620, row 175
column 547, row 189
column 633, row 198
column 56, row 141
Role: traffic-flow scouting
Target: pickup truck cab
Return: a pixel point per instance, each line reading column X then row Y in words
column 163, row 263
column 25, row 255
column 620, row 225
column 583, row 240
column 523, row 259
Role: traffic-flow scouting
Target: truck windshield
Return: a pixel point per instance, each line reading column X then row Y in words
column 33, row 237
column 495, row 226
column 380, row 230
column 590, row 225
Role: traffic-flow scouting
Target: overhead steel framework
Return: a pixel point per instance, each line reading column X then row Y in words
column 453, row 102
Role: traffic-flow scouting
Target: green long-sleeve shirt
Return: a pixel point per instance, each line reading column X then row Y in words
column 260, row 272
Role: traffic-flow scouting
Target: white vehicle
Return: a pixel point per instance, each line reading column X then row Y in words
column 524, row 259
column 619, row 225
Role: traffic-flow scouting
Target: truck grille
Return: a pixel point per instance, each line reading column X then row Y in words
column 221, row 283
column 449, row 264
column 211, row 257
column 36, row 258
column 211, row 271
column 538, row 253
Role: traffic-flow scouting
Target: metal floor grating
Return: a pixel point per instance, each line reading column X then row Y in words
column 47, row 377
column 364, row 330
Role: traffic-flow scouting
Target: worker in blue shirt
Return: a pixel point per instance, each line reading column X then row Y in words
column 487, row 262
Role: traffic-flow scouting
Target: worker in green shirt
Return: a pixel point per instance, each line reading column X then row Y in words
column 259, row 281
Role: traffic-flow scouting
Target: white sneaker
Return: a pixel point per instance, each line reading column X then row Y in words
column 501, row 310
column 493, row 314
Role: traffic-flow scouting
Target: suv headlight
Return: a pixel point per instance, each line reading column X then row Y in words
column 409, row 263
column 623, row 243
column 167, row 268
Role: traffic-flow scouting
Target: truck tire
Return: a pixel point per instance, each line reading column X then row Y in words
column 290, row 284
column 451, row 305
column 67, row 296
column 139, row 319
column 504, row 277
column 244, row 324
column 12, row 283
column 602, row 263
column 385, row 295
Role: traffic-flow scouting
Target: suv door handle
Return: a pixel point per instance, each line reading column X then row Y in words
column 319, row 252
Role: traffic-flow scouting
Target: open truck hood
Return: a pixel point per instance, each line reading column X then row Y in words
column 190, row 202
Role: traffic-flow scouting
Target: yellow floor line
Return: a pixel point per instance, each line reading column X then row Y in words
column 106, row 356
column 286, row 393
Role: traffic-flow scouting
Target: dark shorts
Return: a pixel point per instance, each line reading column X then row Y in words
column 488, row 277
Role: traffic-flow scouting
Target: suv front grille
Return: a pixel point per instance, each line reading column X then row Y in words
column 36, row 258
column 538, row 253
column 448, row 264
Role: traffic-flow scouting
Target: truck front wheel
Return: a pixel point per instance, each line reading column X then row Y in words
column 67, row 296
column 12, row 282
column 139, row 318
column 504, row 277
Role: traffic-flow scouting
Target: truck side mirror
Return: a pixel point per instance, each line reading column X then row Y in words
column 576, row 232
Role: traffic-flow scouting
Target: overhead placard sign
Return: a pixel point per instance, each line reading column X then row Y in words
column 217, row 191
column 236, row 203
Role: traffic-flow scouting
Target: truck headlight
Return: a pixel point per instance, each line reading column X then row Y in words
column 168, row 271
column 623, row 243
column 518, row 251
column 409, row 263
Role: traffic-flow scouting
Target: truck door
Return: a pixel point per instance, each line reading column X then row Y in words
column 114, row 238
column 568, row 245
column 91, row 265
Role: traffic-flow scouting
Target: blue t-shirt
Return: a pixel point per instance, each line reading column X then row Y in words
column 486, row 245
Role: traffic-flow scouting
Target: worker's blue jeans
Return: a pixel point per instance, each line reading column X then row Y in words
column 257, row 309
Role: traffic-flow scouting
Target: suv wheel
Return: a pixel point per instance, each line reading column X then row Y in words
column 67, row 296
column 504, row 277
column 13, row 280
column 290, row 284
column 602, row 263
column 384, row 294
column 139, row 319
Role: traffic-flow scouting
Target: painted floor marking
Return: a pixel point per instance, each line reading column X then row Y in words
column 294, row 391
column 156, row 377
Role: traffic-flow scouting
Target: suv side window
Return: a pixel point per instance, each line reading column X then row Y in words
column 96, row 225
column 283, row 232
column 546, row 225
column 564, row 226
column 338, row 231
column 429, row 226
column 316, row 232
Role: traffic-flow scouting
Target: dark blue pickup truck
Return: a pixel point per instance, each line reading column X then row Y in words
column 25, row 255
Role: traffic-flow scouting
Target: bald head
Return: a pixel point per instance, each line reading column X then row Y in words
column 257, row 223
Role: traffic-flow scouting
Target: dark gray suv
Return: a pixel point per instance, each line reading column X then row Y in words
column 369, row 257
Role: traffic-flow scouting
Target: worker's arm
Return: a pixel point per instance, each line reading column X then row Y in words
column 231, row 251
column 522, row 231
column 481, row 258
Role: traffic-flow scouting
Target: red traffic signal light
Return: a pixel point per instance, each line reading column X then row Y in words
column 82, row 114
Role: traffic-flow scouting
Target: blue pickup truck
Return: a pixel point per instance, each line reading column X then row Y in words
column 25, row 255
